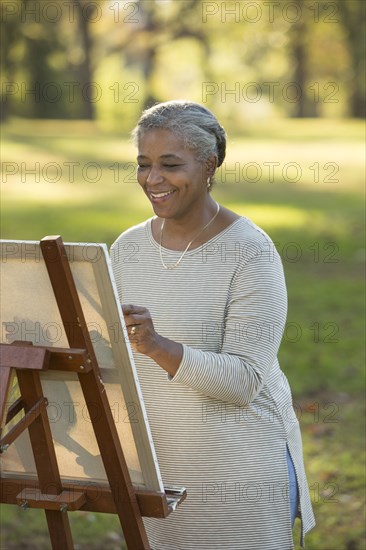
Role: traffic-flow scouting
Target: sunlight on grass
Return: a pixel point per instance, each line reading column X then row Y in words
column 272, row 216
column 317, row 165
column 57, row 193
column 306, row 128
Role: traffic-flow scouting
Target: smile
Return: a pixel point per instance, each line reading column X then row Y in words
column 161, row 195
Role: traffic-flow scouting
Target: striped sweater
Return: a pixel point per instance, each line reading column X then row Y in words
column 221, row 425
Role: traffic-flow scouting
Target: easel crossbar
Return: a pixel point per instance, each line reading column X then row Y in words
column 98, row 497
column 23, row 423
column 66, row 501
column 20, row 356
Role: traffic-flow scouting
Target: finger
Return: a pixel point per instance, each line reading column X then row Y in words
column 132, row 325
column 129, row 309
column 135, row 319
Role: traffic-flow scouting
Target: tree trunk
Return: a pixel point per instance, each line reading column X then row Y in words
column 85, row 71
column 353, row 18
column 299, row 55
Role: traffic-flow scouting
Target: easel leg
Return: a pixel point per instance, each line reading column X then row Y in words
column 45, row 459
column 59, row 530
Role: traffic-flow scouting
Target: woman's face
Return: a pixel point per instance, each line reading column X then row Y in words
column 170, row 175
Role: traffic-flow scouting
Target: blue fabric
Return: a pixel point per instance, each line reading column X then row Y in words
column 293, row 490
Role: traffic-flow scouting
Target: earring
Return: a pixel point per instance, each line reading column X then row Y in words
column 208, row 183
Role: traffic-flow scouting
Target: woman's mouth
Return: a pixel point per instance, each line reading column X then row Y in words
column 160, row 196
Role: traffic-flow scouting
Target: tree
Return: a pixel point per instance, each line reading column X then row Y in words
column 353, row 19
column 37, row 45
column 158, row 24
column 10, row 36
column 85, row 12
column 298, row 47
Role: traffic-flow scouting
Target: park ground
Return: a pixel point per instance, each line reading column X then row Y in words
column 303, row 182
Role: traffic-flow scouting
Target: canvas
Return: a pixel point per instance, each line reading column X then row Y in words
column 29, row 312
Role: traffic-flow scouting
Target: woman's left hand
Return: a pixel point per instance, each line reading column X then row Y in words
column 140, row 328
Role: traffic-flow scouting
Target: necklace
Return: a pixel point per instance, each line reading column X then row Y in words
column 173, row 266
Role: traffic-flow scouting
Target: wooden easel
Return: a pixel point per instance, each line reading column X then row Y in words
column 49, row 492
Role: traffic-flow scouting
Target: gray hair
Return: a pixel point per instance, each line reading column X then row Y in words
column 194, row 124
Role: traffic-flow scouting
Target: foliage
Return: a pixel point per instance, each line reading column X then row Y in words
column 105, row 60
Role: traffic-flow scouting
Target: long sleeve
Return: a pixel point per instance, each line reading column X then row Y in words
column 254, row 323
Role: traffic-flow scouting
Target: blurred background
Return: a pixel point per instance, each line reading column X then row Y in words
column 287, row 81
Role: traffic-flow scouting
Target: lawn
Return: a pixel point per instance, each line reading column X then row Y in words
column 302, row 181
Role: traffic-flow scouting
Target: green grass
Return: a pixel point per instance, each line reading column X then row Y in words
column 317, row 223
column 27, row 530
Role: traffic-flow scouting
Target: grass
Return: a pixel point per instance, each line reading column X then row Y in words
column 27, row 530
column 302, row 182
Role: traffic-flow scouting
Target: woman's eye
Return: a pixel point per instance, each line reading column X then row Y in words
column 147, row 166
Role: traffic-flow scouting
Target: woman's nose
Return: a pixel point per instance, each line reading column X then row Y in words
column 154, row 176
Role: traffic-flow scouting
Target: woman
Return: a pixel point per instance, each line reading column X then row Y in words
column 204, row 301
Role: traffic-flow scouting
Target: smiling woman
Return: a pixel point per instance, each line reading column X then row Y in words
column 204, row 300
column 171, row 177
